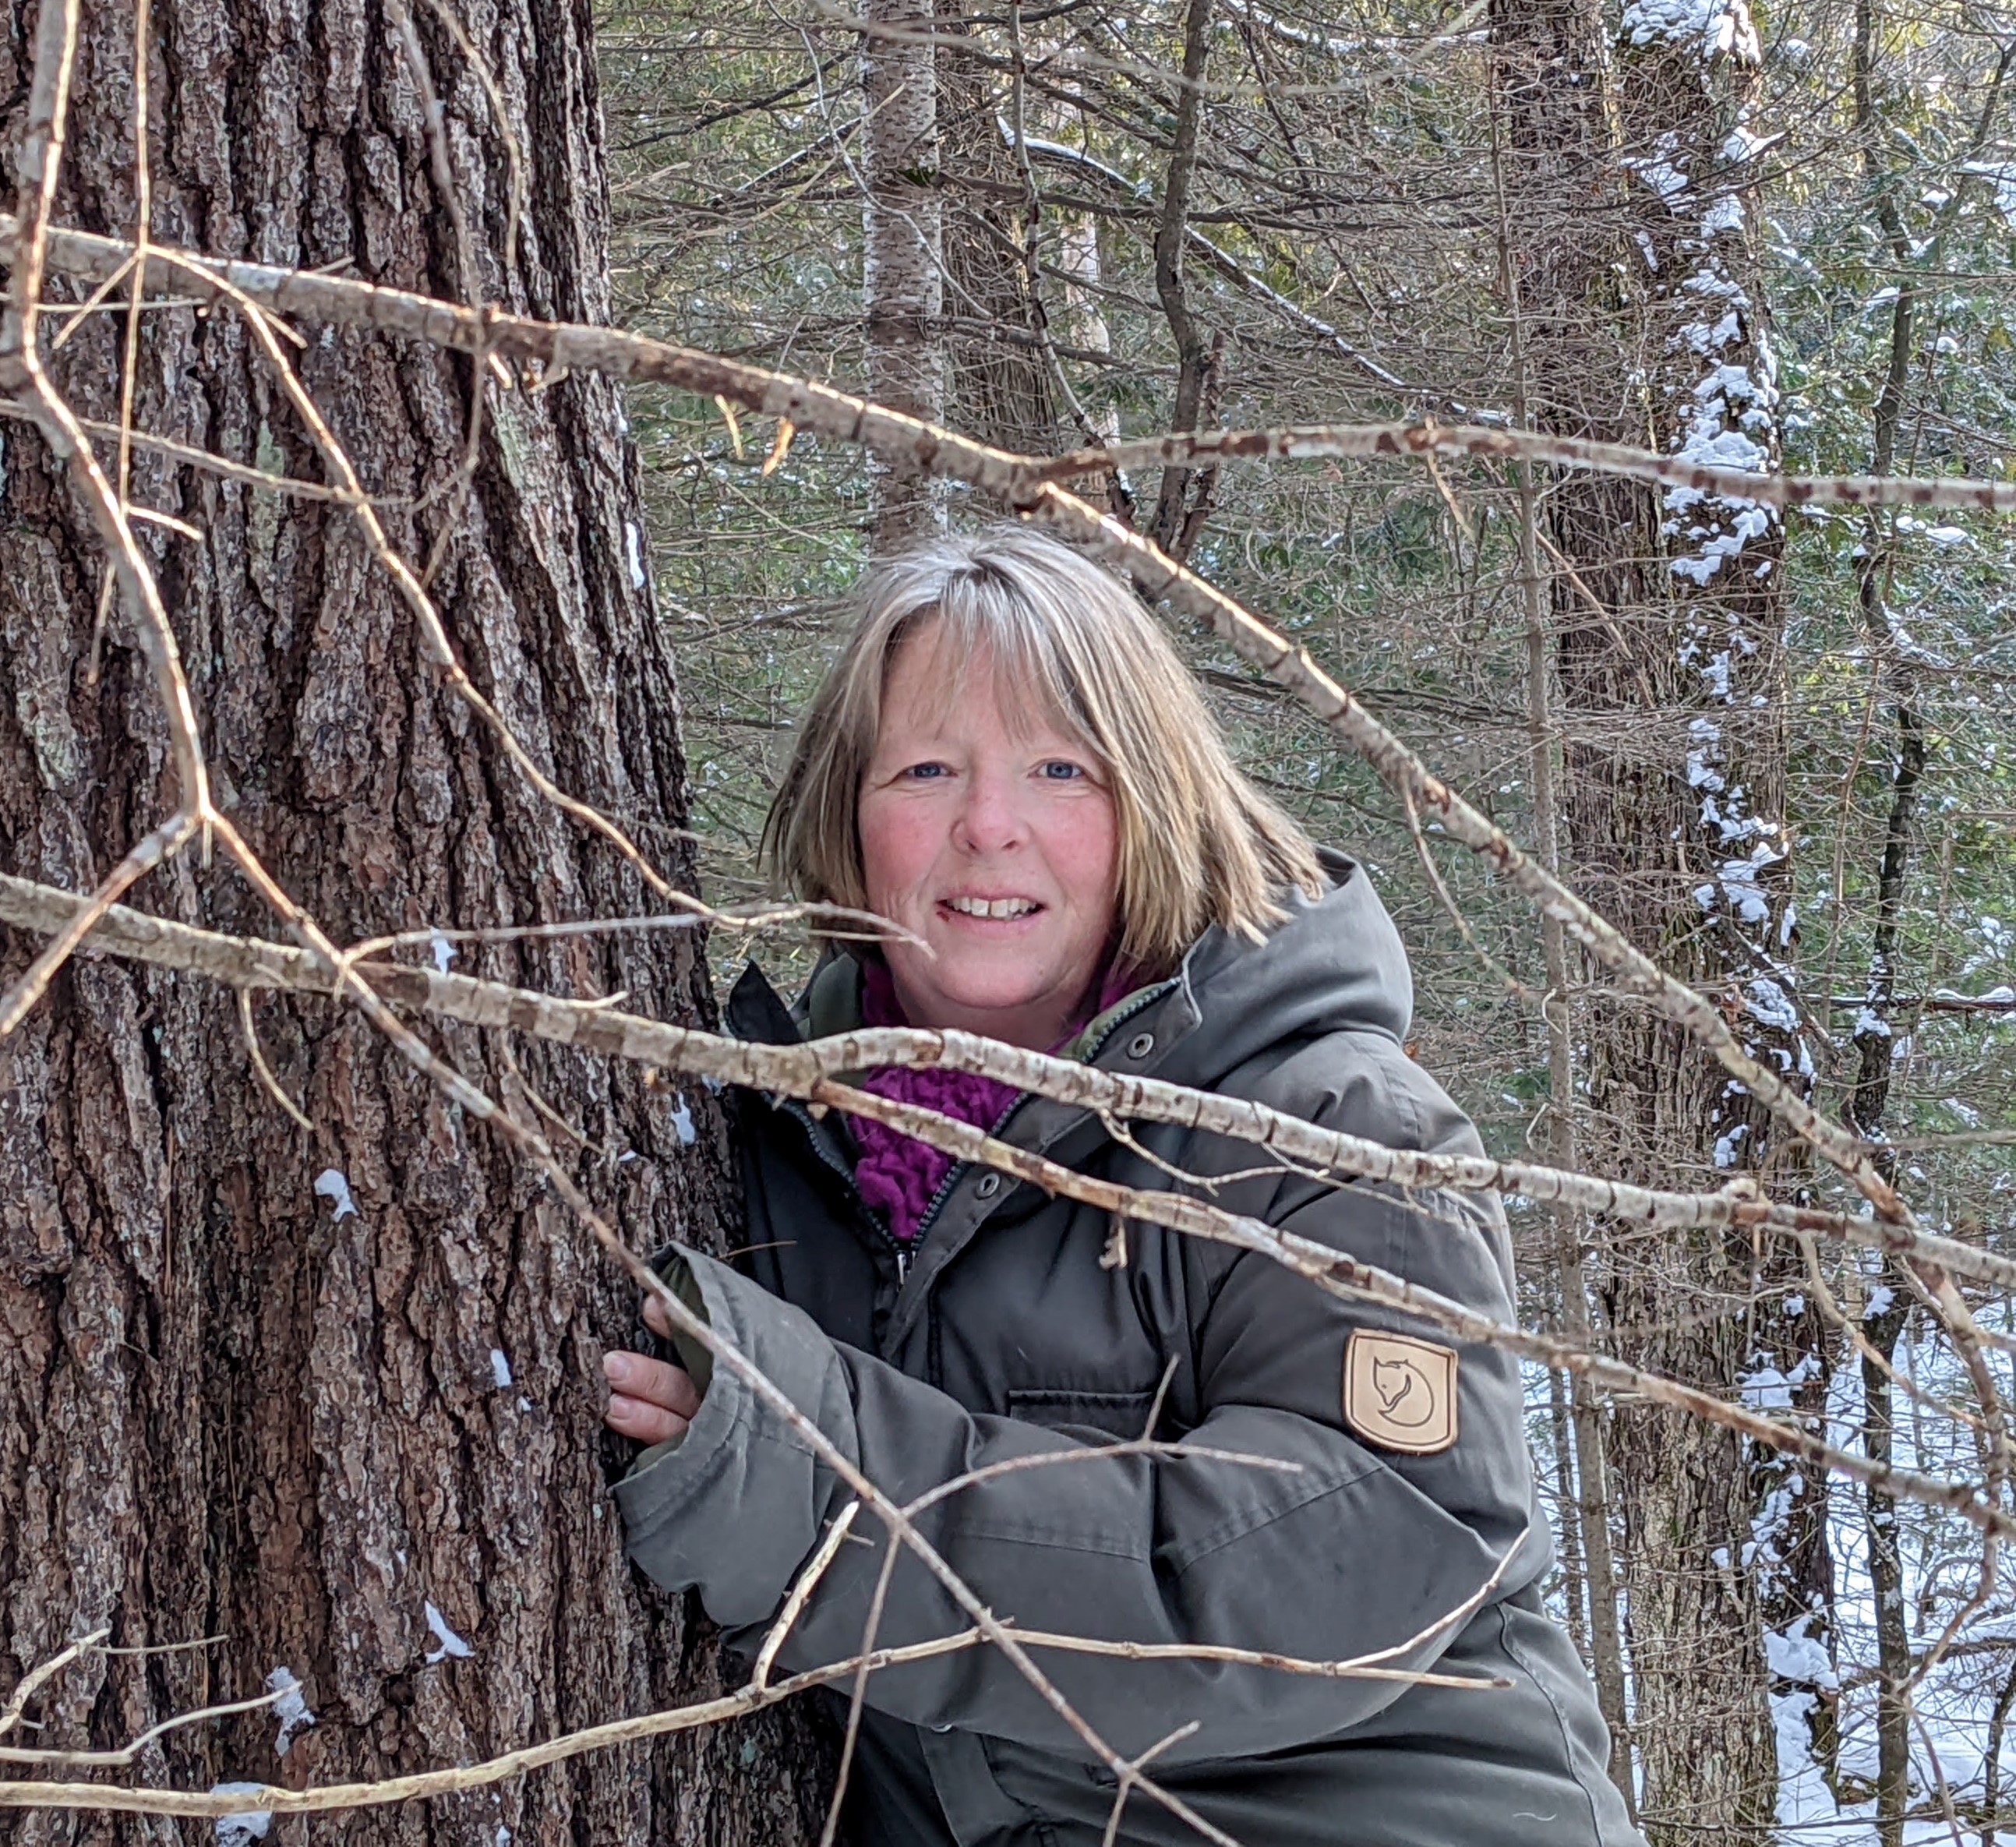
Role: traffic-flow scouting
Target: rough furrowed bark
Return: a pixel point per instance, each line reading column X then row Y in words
column 333, row 1398
column 1703, row 866
column 1665, row 615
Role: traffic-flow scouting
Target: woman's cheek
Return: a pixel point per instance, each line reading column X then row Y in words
column 897, row 853
column 1086, row 848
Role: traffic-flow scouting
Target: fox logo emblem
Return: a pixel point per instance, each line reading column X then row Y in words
column 1399, row 1392
column 1404, row 1396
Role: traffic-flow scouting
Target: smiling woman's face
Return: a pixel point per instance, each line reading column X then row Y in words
column 993, row 841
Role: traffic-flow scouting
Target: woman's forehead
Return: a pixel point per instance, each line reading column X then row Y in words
column 937, row 668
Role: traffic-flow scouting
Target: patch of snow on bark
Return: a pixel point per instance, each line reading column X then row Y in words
column 1716, row 28
column 333, row 1186
column 245, row 1825
column 1768, row 1002
column 291, row 1708
column 1725, row 214
column 450, row 1645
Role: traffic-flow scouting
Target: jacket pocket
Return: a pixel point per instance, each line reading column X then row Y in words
column 1101, row 1416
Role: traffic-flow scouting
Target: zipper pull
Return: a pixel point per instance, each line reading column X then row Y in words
column 903, row 1256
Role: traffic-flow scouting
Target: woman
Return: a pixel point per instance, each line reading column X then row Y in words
column 1009, row 761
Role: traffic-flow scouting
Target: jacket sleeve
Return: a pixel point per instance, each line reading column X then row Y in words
column 1346, row 1551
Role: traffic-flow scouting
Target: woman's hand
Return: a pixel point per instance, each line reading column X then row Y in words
column 650, row 1401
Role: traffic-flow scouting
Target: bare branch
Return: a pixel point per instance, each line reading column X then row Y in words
column 793, row 1070
column 1490, row 443
column 1341, row 1275
column 796, row 1069
column 10, row 1713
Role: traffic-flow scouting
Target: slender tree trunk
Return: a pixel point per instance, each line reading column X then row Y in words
column 1575, row 1590
column 997, row 384
column 1586, row 1517
column 328, row 1402
column 1667, row 612
column 1077, row 257
column 1180, row 506
column 1886, row 1582
column 903, row 273
column 1870, row 1092
column 1085, row 321
column 1991, row 1767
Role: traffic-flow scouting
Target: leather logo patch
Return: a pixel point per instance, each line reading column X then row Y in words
column 1400, row 1393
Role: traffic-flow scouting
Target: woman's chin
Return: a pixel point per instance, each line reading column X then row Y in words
column 998, row 997
column 983, row 998
column 1007, row 990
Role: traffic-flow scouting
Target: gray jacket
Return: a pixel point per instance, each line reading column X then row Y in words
column 1008, row 1338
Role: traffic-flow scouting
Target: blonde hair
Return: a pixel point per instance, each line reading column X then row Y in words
column 1198, row 845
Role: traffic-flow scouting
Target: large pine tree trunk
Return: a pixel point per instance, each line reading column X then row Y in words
column 322, row 1396
column 1669, row 611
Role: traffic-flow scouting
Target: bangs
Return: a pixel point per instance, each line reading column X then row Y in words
column 981, row 623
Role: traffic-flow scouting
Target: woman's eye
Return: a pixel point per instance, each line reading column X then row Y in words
column 1061, row 770
column 925, row 772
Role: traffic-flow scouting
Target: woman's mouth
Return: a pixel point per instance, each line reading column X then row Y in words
column 1007, row 909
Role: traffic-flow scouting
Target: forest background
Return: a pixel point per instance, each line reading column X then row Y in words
column 1775, row 749
column 1358, row 202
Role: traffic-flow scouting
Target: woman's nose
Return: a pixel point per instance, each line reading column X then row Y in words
column 989, row 821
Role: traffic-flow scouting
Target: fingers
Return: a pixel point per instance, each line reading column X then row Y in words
column 655, row 1319
column 642, row 1423
column 654, row 1380
column 650, row 1401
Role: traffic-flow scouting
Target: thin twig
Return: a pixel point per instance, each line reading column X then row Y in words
column 17, row 1702
column 124, row 1756
column 263, row 1071
column 808, row 1580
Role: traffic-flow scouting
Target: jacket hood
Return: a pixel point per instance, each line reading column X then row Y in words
column 1335, row 964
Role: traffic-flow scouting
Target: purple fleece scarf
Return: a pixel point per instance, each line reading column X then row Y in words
column 897, row 1174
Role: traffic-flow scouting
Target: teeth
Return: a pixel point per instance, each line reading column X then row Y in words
column 992, row 907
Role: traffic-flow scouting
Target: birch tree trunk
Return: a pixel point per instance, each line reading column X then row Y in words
column 1668, row 614
column 902, row 272
column 331, row 1400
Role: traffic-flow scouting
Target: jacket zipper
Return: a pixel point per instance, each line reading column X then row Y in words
column 956, row 1172
column 1134, row 1005
column 903, row 1252
column 906, row 1251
